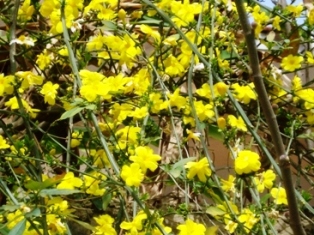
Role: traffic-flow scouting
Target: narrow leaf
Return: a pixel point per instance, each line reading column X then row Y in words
column 52, row 192
column 19, row 228
column 83, row 224
column 214, row 211
column 71, row 112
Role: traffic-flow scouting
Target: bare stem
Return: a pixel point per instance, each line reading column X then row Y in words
column 284, row 161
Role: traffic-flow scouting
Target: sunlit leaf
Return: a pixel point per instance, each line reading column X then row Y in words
column 36, row 185
column 214, row 211
column 52, row 192
column 211, row 230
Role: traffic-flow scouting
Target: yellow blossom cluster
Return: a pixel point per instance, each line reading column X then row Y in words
column 111, row 103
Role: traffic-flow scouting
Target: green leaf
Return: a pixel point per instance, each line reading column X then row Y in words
column 91, row 107
column 265, row 198
column 19, row 228
column 10, row 208
column 214, row 211
column 106, row 199
column 178, row 166
column 71, row 112
column 36, row 185
column 307, row 136
column 52, row 192
column 4, row 231
column 36, row 213
column 108, row 25
column 182, row 162
column 175, row 172
column 214, row 132
column 77, row 101
column 83, row 224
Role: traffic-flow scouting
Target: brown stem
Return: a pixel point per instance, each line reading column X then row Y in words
column 284, row 161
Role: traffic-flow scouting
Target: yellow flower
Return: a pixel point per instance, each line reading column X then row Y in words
column 43, row 59
column 150, row 32
column 55, row 225
column 311, row 17
column 157, row 103
column 295, row 10
column 260, row 18
column 132, row 175
column 307, row 95
column 13, row 104
column 145, row 157
column 127, row 136
column 100, row 158
column 237, row 123
column 49, row 90
column 265, row 180
column 139, row 113
column 221, row 122
column 136, row 225
column 193, row 135
column 6, row 84
column 26, row 11
column 91, row 183
column 57, row 204
column 296, row 83
column 279, row 194
column 204, row 91
column 291, row 63
column 176, row 99
column 173, row 66
column 191, row 228
column 29, row 79
column 244, row 93
column 121, row 112
column 276, row 23
column 104, row 225
column 200, row 168
column 63, row 52
column 95, row 43
column 204, row 112
column 122, row 15
column 228, row 185
column 76, row 139
column 69, row 181
column 231, row 226
column 220, row 88
column 248, row 219
column 247, row 162
column 309, row 56
column 184, row 12
column 3, row 143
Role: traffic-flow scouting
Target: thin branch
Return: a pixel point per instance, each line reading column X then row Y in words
column 284, row 161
